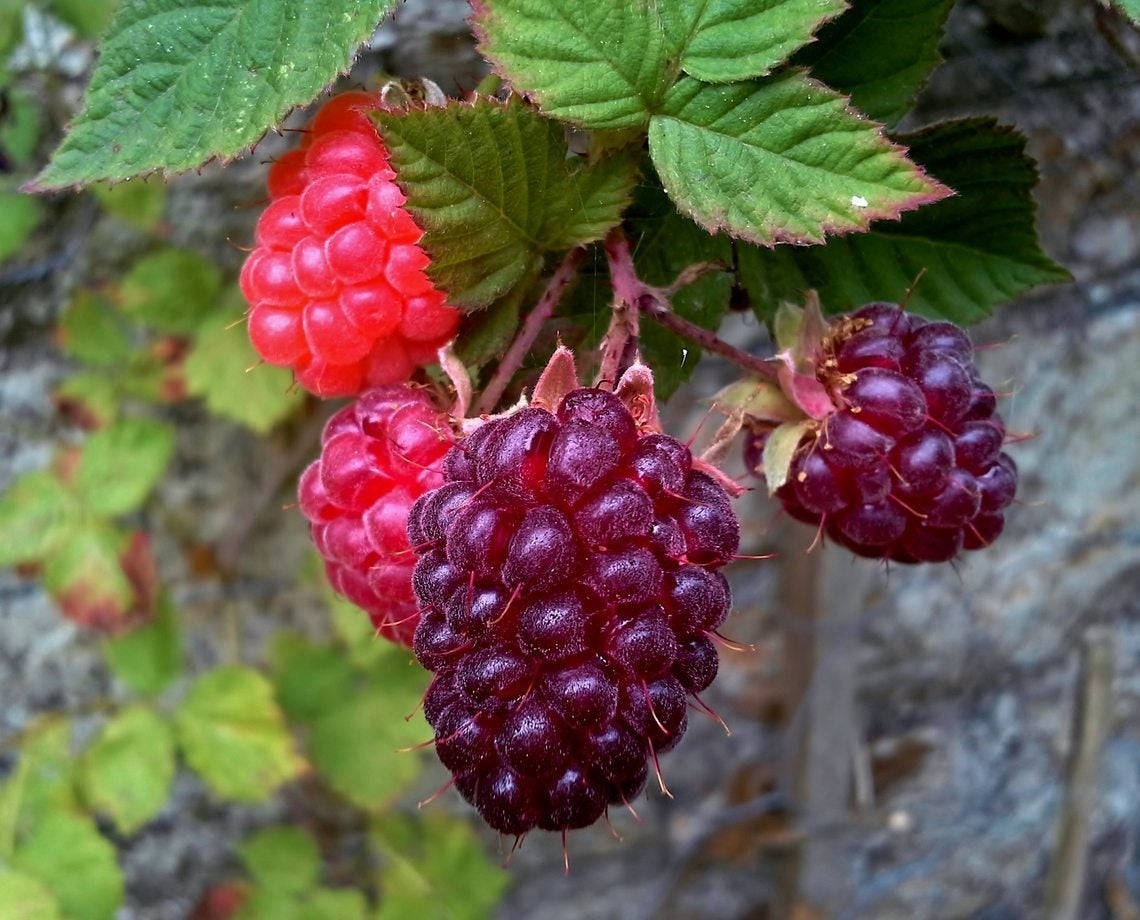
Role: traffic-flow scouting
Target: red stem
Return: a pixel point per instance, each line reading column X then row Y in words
column 562, row 278
column 630, row 290
column 623, row 331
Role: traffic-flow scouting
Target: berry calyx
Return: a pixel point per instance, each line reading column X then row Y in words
column 378, row 456
column 909, row 465
column 566, row 603
column 336, row 282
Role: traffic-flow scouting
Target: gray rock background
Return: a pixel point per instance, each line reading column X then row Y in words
column 901, row 737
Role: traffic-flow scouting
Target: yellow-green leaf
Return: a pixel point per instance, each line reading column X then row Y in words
column 76, row 863
column 126, row 773
column 233, row 734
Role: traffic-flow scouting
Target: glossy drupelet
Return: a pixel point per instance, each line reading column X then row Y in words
column 378, row 455
column 910, row 467
column 336, row 281
column 568, row 591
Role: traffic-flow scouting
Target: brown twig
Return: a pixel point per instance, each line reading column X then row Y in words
column 631, row 291
column 1092, row 717
column 562, row 278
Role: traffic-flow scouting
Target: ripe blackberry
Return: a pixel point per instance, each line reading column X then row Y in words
column 378, row 455
column 910, row 465
column 336, row 282
column 566, row 603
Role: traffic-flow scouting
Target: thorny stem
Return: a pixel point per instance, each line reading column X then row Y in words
column 562, row 278
column 631, row 291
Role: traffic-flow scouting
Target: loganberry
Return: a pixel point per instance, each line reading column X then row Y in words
column 378, row 455
column 566, row 604
column 336, row 281
column 910, row 465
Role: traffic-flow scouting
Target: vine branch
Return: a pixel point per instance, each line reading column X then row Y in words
column 562, row 278
column 630, row 291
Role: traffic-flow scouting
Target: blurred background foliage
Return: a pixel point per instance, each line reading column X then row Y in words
column 330, row 709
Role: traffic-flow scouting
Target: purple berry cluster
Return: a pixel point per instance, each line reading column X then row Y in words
column 568, row 587
column 910, row 467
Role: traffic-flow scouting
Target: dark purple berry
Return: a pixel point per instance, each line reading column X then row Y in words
column 567, row 581
column 909, row 467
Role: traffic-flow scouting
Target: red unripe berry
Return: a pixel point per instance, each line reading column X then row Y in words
column 378, row 456
column 338, row 252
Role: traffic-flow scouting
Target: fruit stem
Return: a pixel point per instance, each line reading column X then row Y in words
column 562, row 278
column 630, row 289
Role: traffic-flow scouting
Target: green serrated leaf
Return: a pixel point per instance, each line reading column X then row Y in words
column 126, row 773
column 24, row 898
column 779, row 450
column 91, row 398
column 722, row 41
column 224, row 370
column 879, row 52
column 36, row 514
column 282, row 858
column 171, row 290
column 19, row 216
column 779, row 160
column 434, row 867
column 233, row 734
column 973, row 251
column 355, row 743
column 85, row 576
column 310, row 679
column 92, row 331
column 76, row 863
column 485, row 228
column 178, row 83
column 602, row 64
column 121, row 464
column 140, row 203
column 148, row 658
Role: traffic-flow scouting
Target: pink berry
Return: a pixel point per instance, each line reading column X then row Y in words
column 378, row 456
